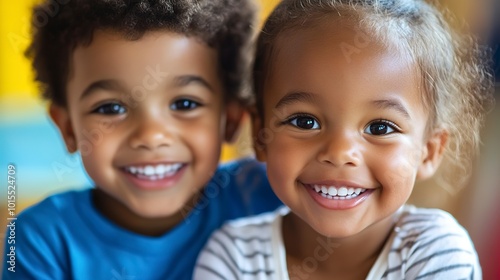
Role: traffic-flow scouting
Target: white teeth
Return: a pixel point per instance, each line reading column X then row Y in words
column 343, row 192
column 160, row 169
column 149, row 170
column 155, row 172
column 332, row 191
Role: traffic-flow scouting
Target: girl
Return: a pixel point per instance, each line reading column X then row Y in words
column 356, row 100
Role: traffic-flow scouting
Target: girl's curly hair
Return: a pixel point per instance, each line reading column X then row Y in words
column 59, row 27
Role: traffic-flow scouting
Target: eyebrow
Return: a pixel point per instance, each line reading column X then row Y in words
column 392, row 104
column 109, row 85
column 185, row 80
column 294, row 97
column 115, row 85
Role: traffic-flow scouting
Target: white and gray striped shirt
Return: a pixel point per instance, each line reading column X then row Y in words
column 425, row 244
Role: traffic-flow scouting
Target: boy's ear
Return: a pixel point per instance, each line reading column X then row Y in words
column 432, row 154
column 257, row 128
column 234, row 115
column 60, row 116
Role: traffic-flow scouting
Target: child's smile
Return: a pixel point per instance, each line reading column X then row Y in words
column 155, row 175
column 337, row 195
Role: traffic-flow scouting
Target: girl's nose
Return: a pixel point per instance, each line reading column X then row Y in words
column 340, row 149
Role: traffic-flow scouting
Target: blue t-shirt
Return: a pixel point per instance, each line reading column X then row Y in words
column 65, row 237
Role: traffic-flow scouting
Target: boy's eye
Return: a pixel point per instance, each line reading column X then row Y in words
column 110, row 109
column 304, row 122
column 184, row 105
column 381, row 127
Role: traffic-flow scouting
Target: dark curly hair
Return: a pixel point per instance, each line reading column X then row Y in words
column 59, row 27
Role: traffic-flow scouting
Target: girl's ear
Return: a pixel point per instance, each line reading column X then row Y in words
column 257, row 128
column 234, row 115
column 60, row 116
column 432, row 154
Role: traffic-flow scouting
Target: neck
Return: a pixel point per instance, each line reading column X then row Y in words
column 121, row 215
column 323, row 258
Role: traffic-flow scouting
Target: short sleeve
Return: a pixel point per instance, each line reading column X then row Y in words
column 430, row 244
column 35, row 246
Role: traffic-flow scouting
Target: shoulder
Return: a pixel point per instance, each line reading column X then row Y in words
column 243, row 169
column 243, row 231
column 431, row 242
column 244, row 186
column 241, row 247
column 40, row 236
column 417, row 225
column 52, row 209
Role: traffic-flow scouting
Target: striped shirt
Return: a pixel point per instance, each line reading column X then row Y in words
column 425, row 244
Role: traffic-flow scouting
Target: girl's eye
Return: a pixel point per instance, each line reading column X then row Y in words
column 381, row 128
column 184, row 105
column 304, row 122
column 110, row 109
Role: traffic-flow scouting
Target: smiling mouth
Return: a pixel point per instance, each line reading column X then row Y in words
column 340, row 193
column 154, row 172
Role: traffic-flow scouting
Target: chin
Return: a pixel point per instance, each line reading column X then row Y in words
column 336, row 231
column 155, row 213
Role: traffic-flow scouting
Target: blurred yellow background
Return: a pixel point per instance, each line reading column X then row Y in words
column 32, row 143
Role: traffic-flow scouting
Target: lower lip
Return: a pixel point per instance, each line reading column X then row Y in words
column 338, row 204
column 160, row 184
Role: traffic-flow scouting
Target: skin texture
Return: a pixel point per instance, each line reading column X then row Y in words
column 322, row 102
column 156, row 100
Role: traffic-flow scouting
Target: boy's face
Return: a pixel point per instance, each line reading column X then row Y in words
column 345, row 129
column 147, row 116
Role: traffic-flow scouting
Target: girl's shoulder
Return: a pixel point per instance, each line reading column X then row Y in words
column 430, row 243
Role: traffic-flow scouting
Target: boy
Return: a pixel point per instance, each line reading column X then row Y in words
column 146, row 92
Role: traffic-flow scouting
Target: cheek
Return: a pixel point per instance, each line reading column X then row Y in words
column 398, row 167
column 97, row 154
column 205, row 139
column 284, row 161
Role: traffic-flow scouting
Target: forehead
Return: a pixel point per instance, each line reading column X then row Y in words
column 336, row 56
column 111, row 56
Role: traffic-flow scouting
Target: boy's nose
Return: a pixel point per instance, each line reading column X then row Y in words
column 340, row 150
column 151, row 134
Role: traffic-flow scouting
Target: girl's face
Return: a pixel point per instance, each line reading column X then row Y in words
column 344, row 128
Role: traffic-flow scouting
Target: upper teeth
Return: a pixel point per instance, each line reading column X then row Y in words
column 341, row 191
column 150, row 170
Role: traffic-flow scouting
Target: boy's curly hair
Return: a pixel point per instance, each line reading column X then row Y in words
column 226, row 25
column 454, row 70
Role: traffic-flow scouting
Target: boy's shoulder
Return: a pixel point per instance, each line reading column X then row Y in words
column 242, row 185
column 55, row 207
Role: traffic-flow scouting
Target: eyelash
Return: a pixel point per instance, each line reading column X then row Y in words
column 389, row 125
column 394, row 127
column 292, row 118
column 192, row 104
column 110, row 105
